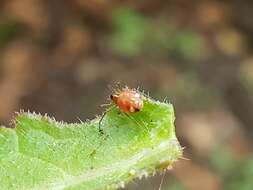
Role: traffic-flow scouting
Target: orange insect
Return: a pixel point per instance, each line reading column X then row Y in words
column 127, row 100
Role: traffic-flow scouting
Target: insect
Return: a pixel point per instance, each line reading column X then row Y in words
column 127, row 100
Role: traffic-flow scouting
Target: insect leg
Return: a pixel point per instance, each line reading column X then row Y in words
column 160, row 186
column 102, row 117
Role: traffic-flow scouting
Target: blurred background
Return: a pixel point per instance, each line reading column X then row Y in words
column 58, row 57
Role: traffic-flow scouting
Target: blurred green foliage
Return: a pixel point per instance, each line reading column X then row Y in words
column 175, row 185
column 246, row 75
column 240, row 176
column 188, row 44
column 224, row 162
column 235, row 173
column 188, row 89
column 130, row 31
column 134, row 34
column 9, row 28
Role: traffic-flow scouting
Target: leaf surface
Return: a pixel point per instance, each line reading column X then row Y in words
column 41, row 153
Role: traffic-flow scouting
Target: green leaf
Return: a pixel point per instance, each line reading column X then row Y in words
column 40, row 153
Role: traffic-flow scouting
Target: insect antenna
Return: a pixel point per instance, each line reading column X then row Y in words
column 115, row 88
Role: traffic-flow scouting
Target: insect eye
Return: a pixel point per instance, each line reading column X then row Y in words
column 111, row 96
